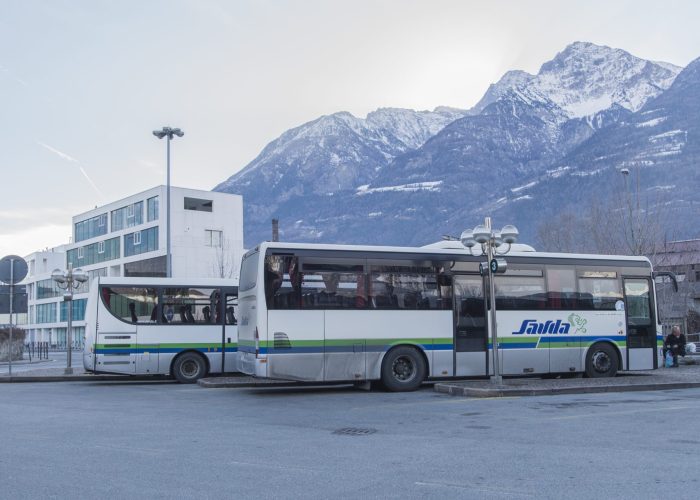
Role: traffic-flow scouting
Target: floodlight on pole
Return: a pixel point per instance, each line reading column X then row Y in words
column 69, row 280
column 168, row 132
column 491, row 243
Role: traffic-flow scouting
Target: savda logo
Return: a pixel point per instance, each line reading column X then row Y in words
column 532, row 327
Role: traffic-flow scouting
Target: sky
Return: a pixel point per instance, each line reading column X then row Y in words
column 83, row 83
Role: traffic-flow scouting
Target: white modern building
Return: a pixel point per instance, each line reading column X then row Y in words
column 128, row 238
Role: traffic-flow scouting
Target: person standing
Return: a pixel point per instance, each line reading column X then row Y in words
column 675, row 343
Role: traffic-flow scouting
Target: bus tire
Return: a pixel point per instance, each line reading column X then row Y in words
column 403, row 369
column 601, row 361
column 189, row 367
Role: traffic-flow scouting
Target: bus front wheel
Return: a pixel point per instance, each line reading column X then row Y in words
column 403, row 369
column 601, row 361
column 189, row 367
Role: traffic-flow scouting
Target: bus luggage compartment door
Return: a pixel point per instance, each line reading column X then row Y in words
column 116, row 352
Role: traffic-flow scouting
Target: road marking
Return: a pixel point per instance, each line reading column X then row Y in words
column 475, row 487
column 626, row 412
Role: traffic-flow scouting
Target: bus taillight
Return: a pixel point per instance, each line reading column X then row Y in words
column 257, row 342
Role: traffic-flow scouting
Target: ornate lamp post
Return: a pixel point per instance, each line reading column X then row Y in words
column 490, row 242
column 69, row 281
column 169, row 133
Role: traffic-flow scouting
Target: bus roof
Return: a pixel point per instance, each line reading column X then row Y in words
column 263, row 247
column 175, row 282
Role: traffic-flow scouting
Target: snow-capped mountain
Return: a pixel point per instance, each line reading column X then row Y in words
column 659, row 145
column 405, row 177
column 333, row 153
column 585, row 79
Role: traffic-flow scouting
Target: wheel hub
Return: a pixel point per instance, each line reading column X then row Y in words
column 601, row 362
column 190, row 368
column 403, row 368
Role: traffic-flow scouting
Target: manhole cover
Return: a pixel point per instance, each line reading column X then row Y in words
column 354, row 431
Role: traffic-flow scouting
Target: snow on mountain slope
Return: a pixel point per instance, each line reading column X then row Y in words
column 402, row 177
column 586, row 78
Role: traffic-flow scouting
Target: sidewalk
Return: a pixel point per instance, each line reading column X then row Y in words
column 684, row 377
column 52, row 370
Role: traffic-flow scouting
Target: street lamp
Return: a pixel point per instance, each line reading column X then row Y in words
column 169, row 133
column 491, row 243
column 69, row 281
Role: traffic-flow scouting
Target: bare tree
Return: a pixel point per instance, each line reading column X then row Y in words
column 224, row 266
column 623, row 224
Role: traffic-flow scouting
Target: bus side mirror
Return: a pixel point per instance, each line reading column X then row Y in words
column 670, row 275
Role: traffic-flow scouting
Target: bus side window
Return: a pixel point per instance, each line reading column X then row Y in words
column 130, row 304
column 561, row 289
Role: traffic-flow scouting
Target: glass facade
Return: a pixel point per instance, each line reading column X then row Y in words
column 94, row 253
column 152, row 209
column 128, row 216
column 46, row 313
column 141, row 242
column 151, row 268
column 78, row 310
column 95, row 226
column 45, row 289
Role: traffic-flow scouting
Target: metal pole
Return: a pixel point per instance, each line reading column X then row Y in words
column 12, row 295
column 497, row 379
column 69, row 334
column 168, row 258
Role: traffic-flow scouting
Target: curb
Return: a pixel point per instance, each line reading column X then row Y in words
column 213, row 383
column 75, row 378
column 474, row 392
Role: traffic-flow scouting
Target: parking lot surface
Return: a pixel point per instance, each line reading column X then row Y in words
column 162, row 440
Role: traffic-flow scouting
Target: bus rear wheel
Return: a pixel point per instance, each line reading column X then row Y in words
column 403, row 369
column 189, row 367
column 601, row 361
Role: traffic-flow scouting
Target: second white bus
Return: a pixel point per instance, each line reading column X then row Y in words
column 166, row 326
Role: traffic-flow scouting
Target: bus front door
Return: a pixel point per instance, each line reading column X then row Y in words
column 470, row 332
column 641, row 325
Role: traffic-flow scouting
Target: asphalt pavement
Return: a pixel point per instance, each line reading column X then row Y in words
column 154, row 440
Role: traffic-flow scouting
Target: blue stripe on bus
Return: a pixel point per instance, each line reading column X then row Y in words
column 165, row 350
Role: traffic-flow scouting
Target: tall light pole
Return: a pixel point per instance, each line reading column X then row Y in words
column 169, row 133
column 490, row 242
column 69, row 281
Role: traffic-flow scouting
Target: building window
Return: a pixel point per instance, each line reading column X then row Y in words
column 199, row 205
column 152, row 209
column 141, row 241
column 213, row 238
column 94, row 253
column 46, row 313
column 151, row 268
column 78, row 310
column 128, row 216
column 90, row 228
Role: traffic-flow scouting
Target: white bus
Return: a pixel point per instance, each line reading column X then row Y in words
column 167, row 326
column 336, row 313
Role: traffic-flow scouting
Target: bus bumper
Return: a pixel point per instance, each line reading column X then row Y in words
column 252, row 365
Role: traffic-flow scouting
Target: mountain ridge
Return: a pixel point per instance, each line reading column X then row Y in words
column 404, row 177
